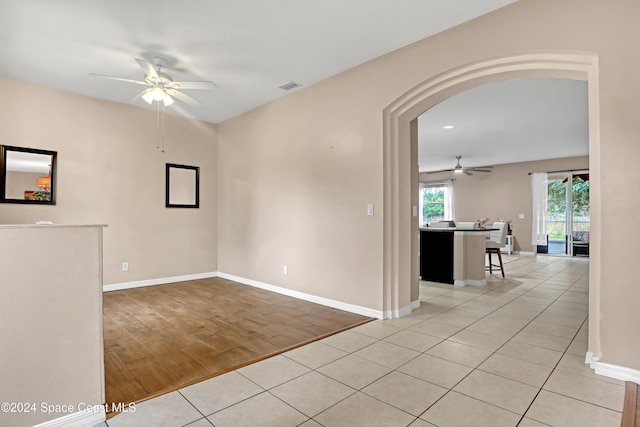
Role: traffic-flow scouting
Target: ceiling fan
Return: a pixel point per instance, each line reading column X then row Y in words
column 467, row 171
column 161, row 85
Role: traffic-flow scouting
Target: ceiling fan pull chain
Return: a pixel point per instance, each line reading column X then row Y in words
column 162, row 126
column 158, row 126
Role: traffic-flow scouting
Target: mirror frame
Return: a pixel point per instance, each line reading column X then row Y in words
column 4, row 149
column 168, row 203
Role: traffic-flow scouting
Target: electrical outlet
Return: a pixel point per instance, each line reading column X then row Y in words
column 125, row 266
column 285, row 270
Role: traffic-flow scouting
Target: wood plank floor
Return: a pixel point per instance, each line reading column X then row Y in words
column 161, row 338
column 631, row 410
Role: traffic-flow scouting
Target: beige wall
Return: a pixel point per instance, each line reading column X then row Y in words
column 294, row 177
column 110, row 172
column 19, row 182
column 51, row 325
column 298, row 172
column 504, row 193
column 295, row 192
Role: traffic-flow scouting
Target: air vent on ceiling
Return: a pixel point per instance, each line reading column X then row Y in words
column 289, row 85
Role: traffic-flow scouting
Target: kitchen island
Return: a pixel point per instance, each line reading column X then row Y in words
column 453, row 255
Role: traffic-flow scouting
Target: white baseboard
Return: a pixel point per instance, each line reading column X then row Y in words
column 77, row 419
column 160, row 281
column 404, row 311
column 468, row 282
column 518, row 253
column 612, row 371
column 364, row 311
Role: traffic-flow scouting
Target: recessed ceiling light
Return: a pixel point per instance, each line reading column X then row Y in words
column 448, row 127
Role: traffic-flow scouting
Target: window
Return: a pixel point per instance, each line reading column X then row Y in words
column 436, row 201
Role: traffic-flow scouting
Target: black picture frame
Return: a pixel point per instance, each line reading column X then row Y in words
column 5, row 150
column 182, row 186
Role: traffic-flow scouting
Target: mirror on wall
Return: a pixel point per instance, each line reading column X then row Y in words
column 182, row 186
column 27, row 175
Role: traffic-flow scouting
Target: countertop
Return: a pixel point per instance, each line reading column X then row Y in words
column 449, row 229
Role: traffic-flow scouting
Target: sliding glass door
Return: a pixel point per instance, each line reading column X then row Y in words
column 568, row 213
column 580, row 225
column 556, row 215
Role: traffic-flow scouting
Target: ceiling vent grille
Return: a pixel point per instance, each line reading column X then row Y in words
column 289, row 85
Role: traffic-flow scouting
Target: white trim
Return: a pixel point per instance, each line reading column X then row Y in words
column 397, row 138
column 160, row 281
column 468, row 282
column 364, row 311
column 404, row 311
column 523, row 253
column 77, row 419
column 612, row 371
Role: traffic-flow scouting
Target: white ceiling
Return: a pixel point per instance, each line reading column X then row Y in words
column 250, row 47
column 506, row 122
column 247, row 47
column 18, row 161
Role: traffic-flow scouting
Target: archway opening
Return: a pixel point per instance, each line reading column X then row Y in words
column 400, row 186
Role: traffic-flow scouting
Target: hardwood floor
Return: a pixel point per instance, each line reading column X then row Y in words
column 631, row 410
column 161, row 338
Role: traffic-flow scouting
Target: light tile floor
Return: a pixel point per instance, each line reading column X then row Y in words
column 510, row 353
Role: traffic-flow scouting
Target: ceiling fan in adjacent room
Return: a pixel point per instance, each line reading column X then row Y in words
column 161, row 85
column 467, row 171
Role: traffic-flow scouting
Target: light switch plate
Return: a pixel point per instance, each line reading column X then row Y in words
column 370, row 209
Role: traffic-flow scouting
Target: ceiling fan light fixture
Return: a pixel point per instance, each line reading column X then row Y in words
column 160, row 86
column 158, row 93
column 148, row 96
column 458, row 168
column 467, row 171
column 167, row 100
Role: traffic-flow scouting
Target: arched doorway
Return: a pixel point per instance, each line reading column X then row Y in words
column 400, row 272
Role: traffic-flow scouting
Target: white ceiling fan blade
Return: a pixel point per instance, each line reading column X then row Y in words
column 148, row 68
column 478, row 170
column 445, row 170
column 467, row 173
column 138, row 82
column 184, row 98
column 192, row 85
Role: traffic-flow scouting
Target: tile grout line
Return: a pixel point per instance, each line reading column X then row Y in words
column 495, row 352
column 445, row 339
column 377, row 340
